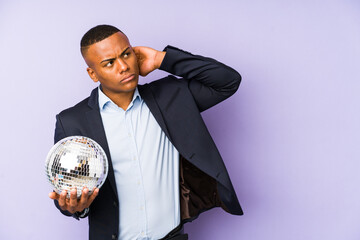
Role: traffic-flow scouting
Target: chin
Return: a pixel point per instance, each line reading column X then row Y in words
column 130, row 87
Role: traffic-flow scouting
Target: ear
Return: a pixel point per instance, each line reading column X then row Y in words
column 92, row 74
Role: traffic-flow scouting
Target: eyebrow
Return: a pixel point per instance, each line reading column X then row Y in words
column 110, row 59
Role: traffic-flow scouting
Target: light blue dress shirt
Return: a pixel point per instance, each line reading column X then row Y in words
column 146, row 168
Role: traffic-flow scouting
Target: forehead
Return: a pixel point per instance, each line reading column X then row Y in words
column 111, row 45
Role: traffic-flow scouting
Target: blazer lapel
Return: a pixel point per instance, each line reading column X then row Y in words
column 97, row 132
column 147, row 95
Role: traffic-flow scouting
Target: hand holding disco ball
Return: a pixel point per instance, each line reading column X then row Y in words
column 76, row 162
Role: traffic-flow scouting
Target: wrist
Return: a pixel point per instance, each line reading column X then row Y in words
column 83, row 213
column 159, row 57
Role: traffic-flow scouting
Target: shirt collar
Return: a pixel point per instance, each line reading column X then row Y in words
column 105, row 100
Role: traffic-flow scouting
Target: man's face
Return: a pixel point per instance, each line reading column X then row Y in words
column 113, row 63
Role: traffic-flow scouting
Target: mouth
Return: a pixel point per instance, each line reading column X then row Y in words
column 128, row 78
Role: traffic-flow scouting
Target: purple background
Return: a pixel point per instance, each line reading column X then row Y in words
column 289, row 137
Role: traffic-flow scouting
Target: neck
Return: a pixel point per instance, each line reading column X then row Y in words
column 122, row 99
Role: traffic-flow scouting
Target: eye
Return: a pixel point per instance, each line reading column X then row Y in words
column 127, row 54
column 109, row 64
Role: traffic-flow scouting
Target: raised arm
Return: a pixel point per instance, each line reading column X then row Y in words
column 209, row 81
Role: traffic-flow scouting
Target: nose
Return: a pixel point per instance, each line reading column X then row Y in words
column 123, row 66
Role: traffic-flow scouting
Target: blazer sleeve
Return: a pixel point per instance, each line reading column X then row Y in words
column 209, row 81
column 59, row 130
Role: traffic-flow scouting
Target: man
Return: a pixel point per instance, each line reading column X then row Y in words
column 164, row 168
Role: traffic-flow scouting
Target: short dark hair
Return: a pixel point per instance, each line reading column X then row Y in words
column 96, row 34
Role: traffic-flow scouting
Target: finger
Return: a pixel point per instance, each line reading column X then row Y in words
column 137, row 52
column 73, row 200
column 62, row 202
column 92, row 196
column 83, row 199
column 135, row 49
column 54, row 196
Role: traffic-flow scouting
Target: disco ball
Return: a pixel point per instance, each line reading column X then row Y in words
column 76, row 161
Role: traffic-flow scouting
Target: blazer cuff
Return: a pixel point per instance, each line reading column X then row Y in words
column 82, row 214
column 171, row 57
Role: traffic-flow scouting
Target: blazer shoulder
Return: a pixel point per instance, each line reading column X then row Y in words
column 77, row 109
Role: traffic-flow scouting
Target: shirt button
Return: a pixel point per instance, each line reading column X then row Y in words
column 115, row 204
column 113, row 236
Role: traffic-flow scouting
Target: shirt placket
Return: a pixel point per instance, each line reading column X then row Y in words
column 142, row 221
